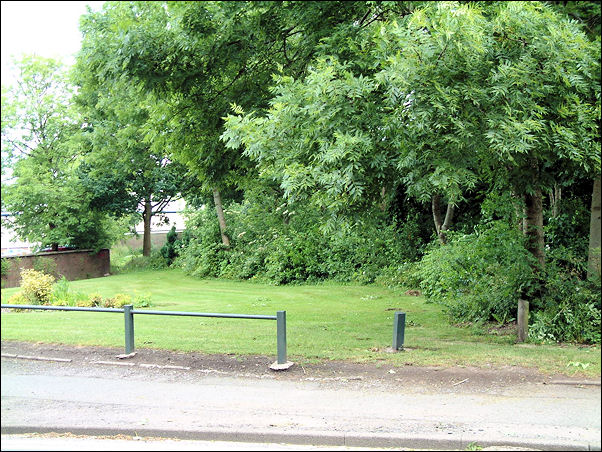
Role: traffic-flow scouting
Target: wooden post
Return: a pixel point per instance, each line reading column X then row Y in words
column 523, row 320
column 593, row 260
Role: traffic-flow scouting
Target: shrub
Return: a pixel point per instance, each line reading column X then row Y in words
column 63, row 295
column 284, row 246
column 570, row 309
column 142, row 300
column 36, row 286
column 169, row 251
column 121, row 299
column 60, row 292
column 95, row 299
column 61, row 302
column 479, row 276
column 137, row 262
column 86, row 303
column 108, row 302
column 18, row 298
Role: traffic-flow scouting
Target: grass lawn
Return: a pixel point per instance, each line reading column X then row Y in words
column 324, row 321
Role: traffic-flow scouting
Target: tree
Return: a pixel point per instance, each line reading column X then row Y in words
column 45, row 196
column 509, row 95
column 347, row 135
column 122, row 171
column 169, row 251
column 431, row 67
column 204, row 56
column 543, row 122
column 321, row 139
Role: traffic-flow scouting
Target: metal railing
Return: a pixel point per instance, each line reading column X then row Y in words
column 129, row 312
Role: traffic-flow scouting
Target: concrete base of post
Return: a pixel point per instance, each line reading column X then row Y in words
column 124, row 356
column 285, row 366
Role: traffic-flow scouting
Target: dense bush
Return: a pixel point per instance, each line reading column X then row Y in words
column 108, row 302
column 169, row 251
column 124, row 260
column 142, row 300
column 36, row 286
column 478, row 276
column 95, row 299
column 283, row 247
column 121, row 300
column 567, row 236
column 570, row 306
column 18, row 298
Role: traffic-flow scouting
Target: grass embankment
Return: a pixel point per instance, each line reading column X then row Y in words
column 324, row 321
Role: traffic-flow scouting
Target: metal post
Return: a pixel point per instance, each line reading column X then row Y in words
column 399, row 325
column 129, row 328
column 281, row 336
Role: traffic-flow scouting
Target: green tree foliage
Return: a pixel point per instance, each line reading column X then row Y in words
column 545, row 88
column 48, row 202
column 321, row 140
column 585, row 12
column 123, row 172
column 506, row 94
column 204, row 56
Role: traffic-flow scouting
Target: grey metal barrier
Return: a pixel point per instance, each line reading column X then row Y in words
column 129, row 312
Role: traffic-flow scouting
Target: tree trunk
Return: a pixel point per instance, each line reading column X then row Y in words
column 449, row 214
column 533, row 229
column 534, row 226
column 217, row 198
column 53, row 246
column 146, row 217
column 383, row 199
column 555, row 196
column 593, row 260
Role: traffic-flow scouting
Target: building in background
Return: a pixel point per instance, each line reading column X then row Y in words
column 13, row 246
column 159, row 228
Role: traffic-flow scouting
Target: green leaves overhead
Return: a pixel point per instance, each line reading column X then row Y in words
column 455, row 95
column 40, row 139
column 320, row 138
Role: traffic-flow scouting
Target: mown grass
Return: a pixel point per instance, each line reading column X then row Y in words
column 324, row 321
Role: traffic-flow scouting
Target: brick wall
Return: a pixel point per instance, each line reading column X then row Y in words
column 73, row 265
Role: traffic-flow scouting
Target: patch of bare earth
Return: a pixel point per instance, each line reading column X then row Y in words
column 445, row 379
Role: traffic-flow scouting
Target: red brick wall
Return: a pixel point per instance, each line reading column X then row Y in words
column 73, row 265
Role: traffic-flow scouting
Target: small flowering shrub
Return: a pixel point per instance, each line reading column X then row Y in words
column 142, row 300
column 18, row 298
column 122, row 299
column 95, row 299
column 108, row 302
column 36, row 286
column 85, row 303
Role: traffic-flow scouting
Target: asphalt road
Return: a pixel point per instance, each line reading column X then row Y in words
column 41, row 396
